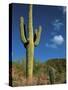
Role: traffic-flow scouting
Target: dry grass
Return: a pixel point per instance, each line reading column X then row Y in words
column 40, row 76
column 18, row 78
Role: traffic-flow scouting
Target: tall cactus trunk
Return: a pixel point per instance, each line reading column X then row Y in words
column 29, row 61
column 29, row 42
column 30, row 47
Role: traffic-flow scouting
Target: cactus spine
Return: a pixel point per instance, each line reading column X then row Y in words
column 29, row 42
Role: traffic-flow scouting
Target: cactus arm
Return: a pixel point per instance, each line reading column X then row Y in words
column 22, row 31
column 37, row 36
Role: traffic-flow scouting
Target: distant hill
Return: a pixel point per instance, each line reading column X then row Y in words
column 58, row 64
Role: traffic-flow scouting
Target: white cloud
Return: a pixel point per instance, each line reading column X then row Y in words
column 57, row 24
column 58, row 39
column 52, row 45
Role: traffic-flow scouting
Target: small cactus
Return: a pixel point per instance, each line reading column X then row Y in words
column 29, row 42
column 51, row 73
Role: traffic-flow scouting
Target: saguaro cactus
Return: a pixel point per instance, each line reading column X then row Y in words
column 29, row 41
column 51, row 74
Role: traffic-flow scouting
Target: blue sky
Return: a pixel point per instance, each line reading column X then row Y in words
column 53, row 36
